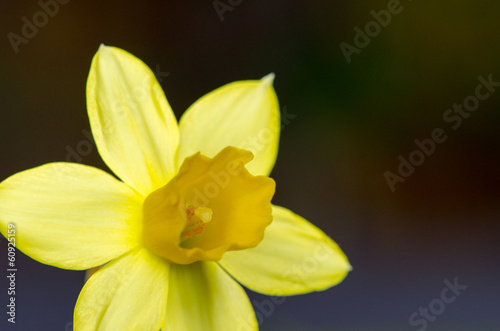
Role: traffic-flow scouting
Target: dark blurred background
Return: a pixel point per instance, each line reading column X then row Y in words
column 352, row 122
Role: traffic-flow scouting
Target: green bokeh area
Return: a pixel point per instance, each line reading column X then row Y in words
column 348, row 124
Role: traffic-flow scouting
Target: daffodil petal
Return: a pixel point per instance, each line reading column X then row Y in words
column 242, row 114
column 70, row 215
column 129, row 293
column 204, row 297
column 133, row 125
column 295, row 257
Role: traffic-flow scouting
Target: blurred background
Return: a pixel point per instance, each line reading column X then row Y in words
column 355, row 107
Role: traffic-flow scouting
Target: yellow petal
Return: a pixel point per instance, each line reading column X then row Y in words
column 203, row 297
column 70, row 216
column 129, row 293
column 239, row 205
column 242, row 114
column 133, row 125
column 295, row 257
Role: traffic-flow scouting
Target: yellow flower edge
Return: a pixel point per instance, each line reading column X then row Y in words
column 172, row 258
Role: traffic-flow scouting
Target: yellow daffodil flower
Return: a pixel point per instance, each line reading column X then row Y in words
column 190, row 217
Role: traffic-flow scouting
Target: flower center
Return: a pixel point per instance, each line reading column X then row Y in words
column 197, row 219
column 211, row 206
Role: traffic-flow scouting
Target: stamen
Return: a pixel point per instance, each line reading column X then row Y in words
column 197, row 219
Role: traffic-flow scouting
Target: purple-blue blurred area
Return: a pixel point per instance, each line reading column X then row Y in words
column 367, row 82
